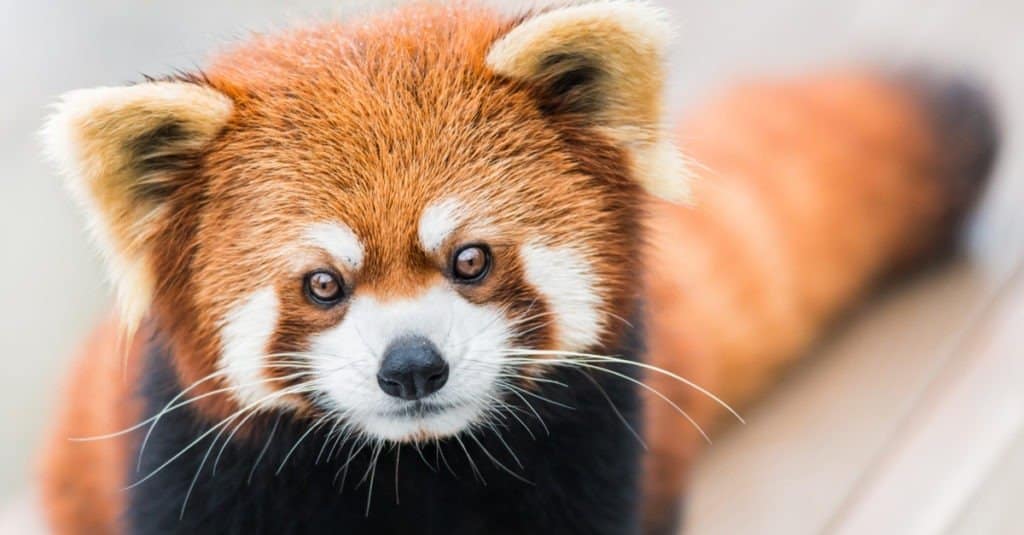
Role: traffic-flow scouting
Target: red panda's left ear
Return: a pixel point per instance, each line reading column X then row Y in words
column 125, row 151
column 606, row 60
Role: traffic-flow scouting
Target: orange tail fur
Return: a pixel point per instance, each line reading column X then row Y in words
column 808, row 191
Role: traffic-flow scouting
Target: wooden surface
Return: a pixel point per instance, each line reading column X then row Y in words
column 827, row 451
column 968, row 421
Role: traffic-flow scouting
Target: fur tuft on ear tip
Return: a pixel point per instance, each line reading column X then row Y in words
column 664, row 172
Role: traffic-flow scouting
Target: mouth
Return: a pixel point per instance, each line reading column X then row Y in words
column 419, row 409
column 421, row 420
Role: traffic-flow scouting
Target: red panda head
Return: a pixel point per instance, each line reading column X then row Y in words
column 366, row 218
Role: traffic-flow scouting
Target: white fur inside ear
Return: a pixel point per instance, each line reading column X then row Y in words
column 87, row 121
column 566, row 280
column 588, row 28
column 92, row 138
column 625, row 42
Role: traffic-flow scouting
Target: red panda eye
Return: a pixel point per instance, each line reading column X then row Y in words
column 323, row 288
column 471, row 263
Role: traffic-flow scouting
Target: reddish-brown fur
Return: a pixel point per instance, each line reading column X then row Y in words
column 376, row 159
column 82, row 481
column 808, row 191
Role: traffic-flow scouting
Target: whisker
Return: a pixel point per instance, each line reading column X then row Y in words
column 647, row 387
column 353, row 452
column 535, row 327
column 347, row 432
column 373, row 474
column 242, row 422
column 538, row 396
column 656, row 369
column 263, row 452
column 227, row 440
column 419, row 451
column 511, row 410
column 298, row 441
column 502, row 314
column 398, row 457
column 328, row 440
column 221, row 424
column 148, row 420
column 440, row 453
column 531, row 378
column 507, row 446
column 496, row 462
column 156, row 418
column 202, row 463
column 534, row 410
column 376, row 447
column 472, row 464
column 621, row 319
column 199, row 471
column 618, row 413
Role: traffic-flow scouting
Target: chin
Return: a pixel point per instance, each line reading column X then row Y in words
column 421, row 423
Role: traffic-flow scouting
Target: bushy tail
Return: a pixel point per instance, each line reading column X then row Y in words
column 809, row 191
column 965, row 136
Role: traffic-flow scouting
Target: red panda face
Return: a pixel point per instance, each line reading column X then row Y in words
column 395, row 216
column 385, row 212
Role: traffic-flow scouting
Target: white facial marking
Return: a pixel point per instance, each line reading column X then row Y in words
column 244, row 337
column 469, row 337
column 339, row 241
column 438, row 221
column 566, row 280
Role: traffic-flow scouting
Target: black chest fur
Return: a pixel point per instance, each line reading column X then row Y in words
column 576, row 473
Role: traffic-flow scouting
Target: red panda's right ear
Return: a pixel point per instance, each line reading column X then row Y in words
column 124, row 151
column 603, row 60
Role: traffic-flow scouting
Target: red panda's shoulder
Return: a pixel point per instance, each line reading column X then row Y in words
column 98, row 399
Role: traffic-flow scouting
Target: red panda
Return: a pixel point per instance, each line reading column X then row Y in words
column 399, row 273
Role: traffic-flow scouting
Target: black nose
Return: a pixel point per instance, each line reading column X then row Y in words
column 412, row 369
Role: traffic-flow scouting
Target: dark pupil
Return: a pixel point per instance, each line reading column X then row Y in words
column 469, row 263
column 323, row 286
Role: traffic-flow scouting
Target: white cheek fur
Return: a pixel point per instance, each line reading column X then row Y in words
column 566, row 280
column 470, row 337
column 245, row 333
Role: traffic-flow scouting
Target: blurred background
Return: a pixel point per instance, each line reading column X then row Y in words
column 909, row 420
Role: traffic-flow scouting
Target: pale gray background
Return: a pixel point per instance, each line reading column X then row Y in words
column 50, row 280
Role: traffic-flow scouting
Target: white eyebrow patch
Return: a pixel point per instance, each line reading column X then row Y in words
column 566, row 280
column 339, row 241
column 438, row 221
